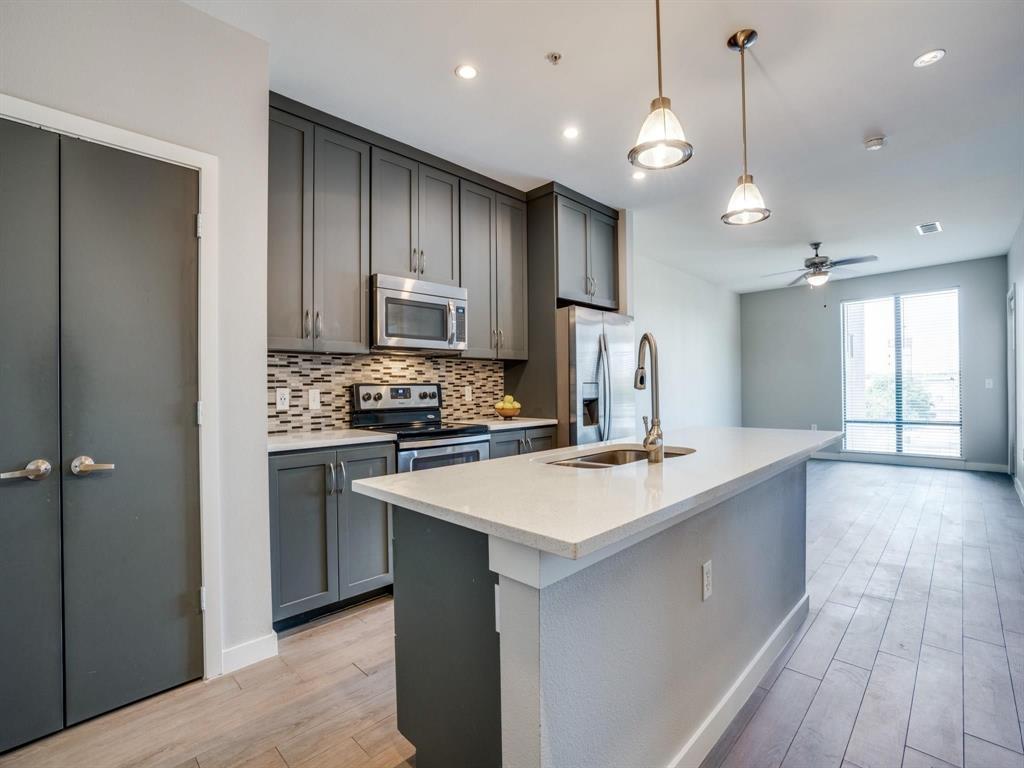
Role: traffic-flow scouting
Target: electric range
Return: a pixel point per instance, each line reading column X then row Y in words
column 412, row 412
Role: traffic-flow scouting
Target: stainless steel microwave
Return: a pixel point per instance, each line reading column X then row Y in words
column 415, row 314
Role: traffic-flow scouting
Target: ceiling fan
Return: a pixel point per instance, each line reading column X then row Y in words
column 817, row 268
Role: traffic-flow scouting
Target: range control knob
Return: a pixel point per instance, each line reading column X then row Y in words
column 366, row 397
column 433, row 395
column 423, row 395
column 378, row 397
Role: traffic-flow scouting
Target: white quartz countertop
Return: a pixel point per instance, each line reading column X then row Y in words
column 498, row 424
column 574, row 512
column 334, row 438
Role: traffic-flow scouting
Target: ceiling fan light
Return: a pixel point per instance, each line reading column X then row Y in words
column 746, row 206
column 816, row 279
column 661, row 142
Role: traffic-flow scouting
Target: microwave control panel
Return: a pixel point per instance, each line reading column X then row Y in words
column 460, row 325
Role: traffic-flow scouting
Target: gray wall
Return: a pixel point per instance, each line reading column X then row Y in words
column 1015, row 277
column 792, row 364
column 166, row 70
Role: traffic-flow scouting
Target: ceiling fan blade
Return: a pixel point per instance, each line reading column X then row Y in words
column 798, row 280
column 784, row 272
column 854, row 260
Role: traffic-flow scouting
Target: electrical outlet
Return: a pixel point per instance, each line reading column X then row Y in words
column 814, row 427
column 467, row 393
column 706, row 572
column 988, row 383
column 283, row 398
column 314, row 399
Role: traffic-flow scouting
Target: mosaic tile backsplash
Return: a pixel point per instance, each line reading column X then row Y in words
column 333, row 375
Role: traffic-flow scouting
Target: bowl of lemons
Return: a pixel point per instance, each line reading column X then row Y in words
column 508, row 407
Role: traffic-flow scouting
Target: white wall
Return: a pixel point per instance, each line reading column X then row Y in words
column 697, row 327
column 163, row 69
column 1015, row 277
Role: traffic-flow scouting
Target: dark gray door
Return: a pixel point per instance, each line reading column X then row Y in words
column 511, row 279
column 290, row 233
column 364, row 524
column 303, row 532
column 573, row 228
column 129, row 357
column 507, row 442
column 394, row 215
column 439, row 226
column 540, row 439
column 341, row 243
column 478, row 228
column 31, row 656
column 603, row 262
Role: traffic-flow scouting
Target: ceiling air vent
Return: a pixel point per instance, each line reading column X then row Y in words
column 929, row 228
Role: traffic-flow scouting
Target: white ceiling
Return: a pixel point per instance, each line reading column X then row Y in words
column 823, row 76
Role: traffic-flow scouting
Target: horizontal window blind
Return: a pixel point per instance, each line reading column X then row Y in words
column 901, row 374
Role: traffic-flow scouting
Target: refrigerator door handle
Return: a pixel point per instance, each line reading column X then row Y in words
column 609, row 389
column 602, row 389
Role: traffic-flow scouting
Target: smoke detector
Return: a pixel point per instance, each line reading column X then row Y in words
column 930, row 228
column 553, row 58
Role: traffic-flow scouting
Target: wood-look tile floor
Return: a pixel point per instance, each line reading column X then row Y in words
column 912, row 656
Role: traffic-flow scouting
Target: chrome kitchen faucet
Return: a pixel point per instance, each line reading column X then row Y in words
column 654, row 442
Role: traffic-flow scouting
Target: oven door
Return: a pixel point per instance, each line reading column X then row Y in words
column 412, row 317
column 428, row 454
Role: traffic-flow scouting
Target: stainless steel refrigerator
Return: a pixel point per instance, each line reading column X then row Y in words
column 596, row 358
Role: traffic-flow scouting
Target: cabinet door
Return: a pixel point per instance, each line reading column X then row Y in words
column 394, row 214
column 477, row 227
column 573, row 228
column 438, row 226
column 341, row 243
column 540, row 439
column 511, row 279
column 604, row 266
column 364, row 524
column 303, row 532
column 506, row 443
column 290, row 233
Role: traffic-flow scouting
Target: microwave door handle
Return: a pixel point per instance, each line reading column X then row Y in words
column 451, row 323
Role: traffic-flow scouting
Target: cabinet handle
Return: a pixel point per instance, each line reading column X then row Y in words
column 305, row 325
column 529, row 444
column 522, row 445
column 334, row 480
column 494, row 338
column 413, row 262
column 318, row 327
column 423, row 261
column 593, row 286
column 501, row 338
column 344, row 476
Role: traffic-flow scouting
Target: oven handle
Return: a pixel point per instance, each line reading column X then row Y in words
column 410, row 445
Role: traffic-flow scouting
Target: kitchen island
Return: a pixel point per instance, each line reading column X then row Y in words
column 551, row 615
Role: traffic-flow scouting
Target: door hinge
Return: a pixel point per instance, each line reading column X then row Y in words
column 199, row 413
column 199, row 225
column 202, row 599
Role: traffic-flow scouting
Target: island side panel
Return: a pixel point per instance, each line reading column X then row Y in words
column 632, row 661
column 446, row 645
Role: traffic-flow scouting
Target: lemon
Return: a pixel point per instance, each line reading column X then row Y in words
column 500, row 405
column 517, row 404
column 509, row 399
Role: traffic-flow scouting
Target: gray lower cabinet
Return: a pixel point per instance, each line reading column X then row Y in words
column 327, row 543
column 515, row 442
column 318, row 238
column 493, row 255
column 415, row 213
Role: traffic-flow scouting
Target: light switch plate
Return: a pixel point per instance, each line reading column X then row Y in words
column 283, row 398
column 467, row 393
column 314, row 399
column 706, row 572
column 988, row 383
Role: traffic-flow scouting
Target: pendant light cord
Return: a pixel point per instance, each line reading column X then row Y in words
column 743, row 104
column 657, row 26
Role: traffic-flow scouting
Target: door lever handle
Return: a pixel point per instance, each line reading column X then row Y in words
column 84, row 465
column 36, row 469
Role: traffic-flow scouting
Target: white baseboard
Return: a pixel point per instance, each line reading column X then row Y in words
column 708, row 733
column 244, row 654
column 911, row 461
column 1020, row 489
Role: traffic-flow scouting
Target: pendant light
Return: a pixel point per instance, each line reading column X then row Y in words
column 746, row 206
column 661, row 142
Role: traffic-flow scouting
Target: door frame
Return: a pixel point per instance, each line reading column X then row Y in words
column 1011, row 379
column 39, row 116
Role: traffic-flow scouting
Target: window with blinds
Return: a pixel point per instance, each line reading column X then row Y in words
column 901, row 374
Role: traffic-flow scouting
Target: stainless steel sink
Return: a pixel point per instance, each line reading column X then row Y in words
column 615, row 457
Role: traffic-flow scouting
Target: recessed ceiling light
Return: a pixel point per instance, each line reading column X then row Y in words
column 928, row 58
column 571, row 132
column 638, row 175
column 930, row 228
column 875, row 143
column 466, row 71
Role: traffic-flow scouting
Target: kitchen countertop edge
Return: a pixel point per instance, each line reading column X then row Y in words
column 336, row 438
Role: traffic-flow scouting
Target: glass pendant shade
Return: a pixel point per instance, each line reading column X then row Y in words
column 816, row 279
column 661, row 142
column 746, row 206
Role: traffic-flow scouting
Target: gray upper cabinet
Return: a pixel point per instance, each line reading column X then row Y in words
column 394, row 239
column 510, row 280
column 603, row 261
column 415, row 215
column 438, row 226
column 364, row 524
column 573, row 233
column 290, row 234
column 303, row 532
column 478, row 232
column 341, row 243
